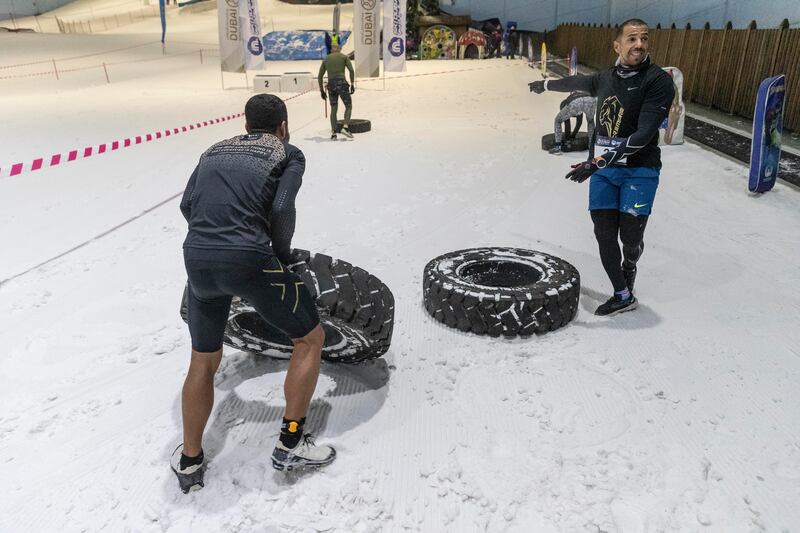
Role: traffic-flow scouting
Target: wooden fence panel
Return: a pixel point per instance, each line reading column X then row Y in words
column 656, row 40
column 788, row 63
column 586, row 40
column 675, row 55
column 731, row 53
column 689, row 61
column 763, row 45
column 557, row 39
column 792, row 72
column 659, row 45
column 610, row 57
column 747, row 65
column 708, row 66
column 594, row 50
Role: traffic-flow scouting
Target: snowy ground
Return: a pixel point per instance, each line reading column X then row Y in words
column 680, row 416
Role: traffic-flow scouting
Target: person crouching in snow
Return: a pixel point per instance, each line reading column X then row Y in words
column 576, row 104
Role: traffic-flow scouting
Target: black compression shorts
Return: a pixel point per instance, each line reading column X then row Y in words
column 276, row 293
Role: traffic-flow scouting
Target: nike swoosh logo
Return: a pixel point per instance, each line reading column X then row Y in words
column 632, row 88
column 637, row 206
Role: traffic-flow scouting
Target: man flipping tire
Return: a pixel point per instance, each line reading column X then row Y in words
column 633, row 98
column 239, row 204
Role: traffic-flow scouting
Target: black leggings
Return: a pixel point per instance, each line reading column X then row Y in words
column 610, row 227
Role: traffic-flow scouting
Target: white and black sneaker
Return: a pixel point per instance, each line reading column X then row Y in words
column 306, row 453
column 190, row 476
column 333, row 136
column 346, row 132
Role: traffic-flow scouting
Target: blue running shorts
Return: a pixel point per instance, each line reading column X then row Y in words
column 629, row 190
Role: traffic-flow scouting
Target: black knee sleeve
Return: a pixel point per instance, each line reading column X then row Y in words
column 631, row 233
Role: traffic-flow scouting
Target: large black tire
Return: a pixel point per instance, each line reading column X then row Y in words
column 579, row 143
column 501, row 291
column 356, row 310
column 357, row 125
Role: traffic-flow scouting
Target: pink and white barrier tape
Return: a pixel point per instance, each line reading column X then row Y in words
column 72, row 155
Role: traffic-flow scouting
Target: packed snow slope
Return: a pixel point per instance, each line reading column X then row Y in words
column 679, row 416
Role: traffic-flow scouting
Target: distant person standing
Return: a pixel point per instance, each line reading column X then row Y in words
column 512, row 42
column 496, row 39
column 334, row 64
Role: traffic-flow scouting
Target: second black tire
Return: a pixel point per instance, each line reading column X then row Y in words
column 501, row 291
column 577, row 144
column 357, row 125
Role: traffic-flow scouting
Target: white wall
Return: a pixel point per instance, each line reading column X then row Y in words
column 539, row 15
column 24, row 8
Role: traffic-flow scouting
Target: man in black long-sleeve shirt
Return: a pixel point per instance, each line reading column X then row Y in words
column 239, row 204
column 633, row 98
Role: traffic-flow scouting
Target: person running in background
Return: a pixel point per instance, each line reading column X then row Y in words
column 576, row 104
column 334, row 64
column 633, row 98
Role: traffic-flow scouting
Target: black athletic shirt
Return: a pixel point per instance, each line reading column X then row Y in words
column 631, row 104
column 241, row 196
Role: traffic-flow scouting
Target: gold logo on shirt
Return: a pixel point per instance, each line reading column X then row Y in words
column 611, row 115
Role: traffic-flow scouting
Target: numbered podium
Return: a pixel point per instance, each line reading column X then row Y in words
column 267, row 83
column 297, row 82
column 290, row 82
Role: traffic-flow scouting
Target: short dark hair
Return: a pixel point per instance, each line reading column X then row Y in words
column 265, row 112
column 629, row 22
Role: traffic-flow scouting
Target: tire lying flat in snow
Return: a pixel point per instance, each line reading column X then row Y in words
column 357, row 125
column 501, row 291
column 356, row 310
column 571, row 144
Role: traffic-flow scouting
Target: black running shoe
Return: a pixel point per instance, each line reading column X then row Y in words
column 189, row 478
column 615, row 305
